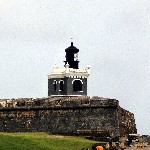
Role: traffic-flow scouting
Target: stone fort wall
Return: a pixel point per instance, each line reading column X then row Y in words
column 66, row 115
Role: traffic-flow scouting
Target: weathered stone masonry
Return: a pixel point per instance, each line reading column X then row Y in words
column 64, row 115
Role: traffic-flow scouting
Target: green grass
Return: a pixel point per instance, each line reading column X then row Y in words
column 42, row 141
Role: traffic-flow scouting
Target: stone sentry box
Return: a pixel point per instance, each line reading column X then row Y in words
column 70, row 80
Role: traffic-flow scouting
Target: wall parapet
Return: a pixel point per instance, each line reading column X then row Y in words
column 64, row 102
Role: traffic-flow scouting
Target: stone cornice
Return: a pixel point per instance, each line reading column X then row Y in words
column 69, row 72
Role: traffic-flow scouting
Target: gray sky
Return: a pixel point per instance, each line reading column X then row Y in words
column 113, row 37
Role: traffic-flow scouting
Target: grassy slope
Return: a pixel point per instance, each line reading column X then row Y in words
column 41, row 141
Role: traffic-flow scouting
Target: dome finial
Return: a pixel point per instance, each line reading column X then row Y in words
column 71, row 41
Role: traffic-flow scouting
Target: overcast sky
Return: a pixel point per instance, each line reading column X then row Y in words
column 113, row 37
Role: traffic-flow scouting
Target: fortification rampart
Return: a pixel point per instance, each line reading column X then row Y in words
column 66, row 115
column 126, row 122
